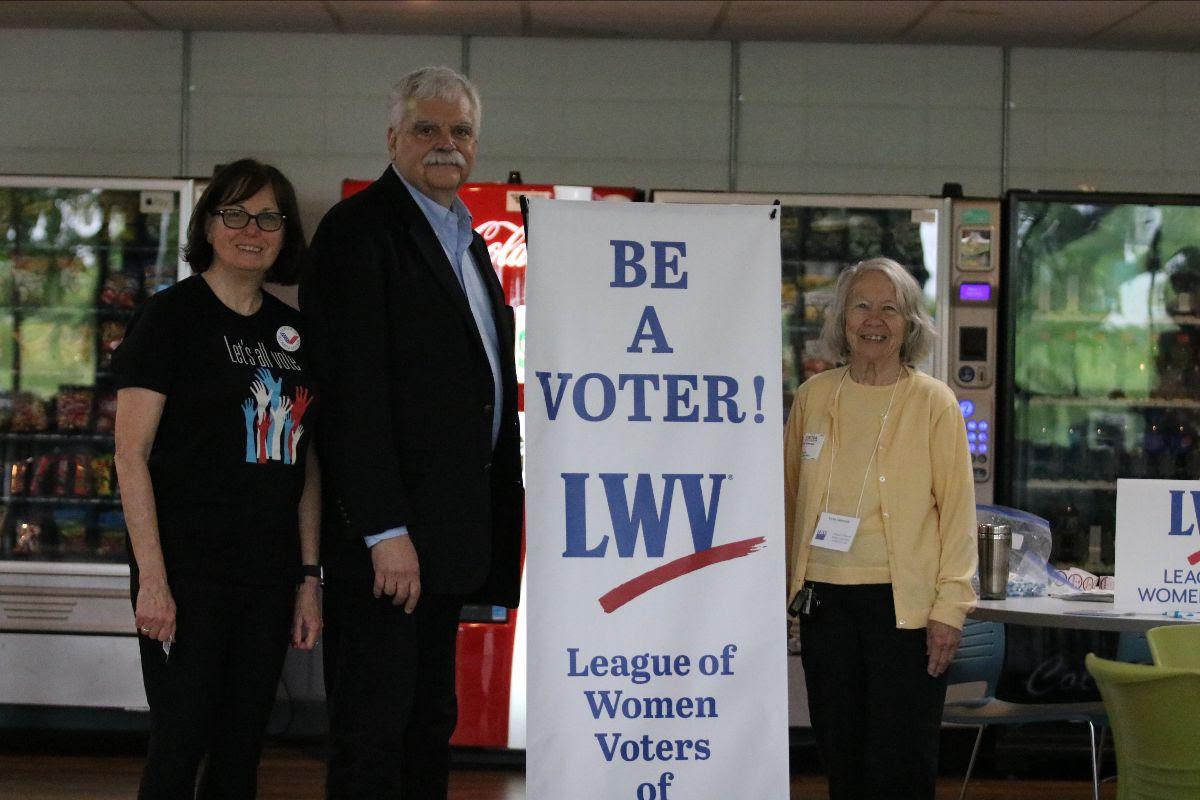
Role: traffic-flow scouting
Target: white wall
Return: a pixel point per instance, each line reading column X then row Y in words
column 90, row 102
column 830, row 118
column 1113, row 120
column 652, row 114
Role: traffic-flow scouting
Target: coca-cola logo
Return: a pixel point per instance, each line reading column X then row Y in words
column 505, row 243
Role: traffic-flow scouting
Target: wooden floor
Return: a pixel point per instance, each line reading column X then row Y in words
column 296, row 773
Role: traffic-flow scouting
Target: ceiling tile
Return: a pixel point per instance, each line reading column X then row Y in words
column 821, row 21
column 454, row 17
column 298, row 16
column 648, row 19
column 1170, row 25
column 1005, row 22
column 55, row 14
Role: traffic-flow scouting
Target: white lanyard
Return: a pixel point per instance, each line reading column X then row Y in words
column 878, row 439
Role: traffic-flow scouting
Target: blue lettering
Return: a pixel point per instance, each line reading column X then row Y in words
column 575, row 495
column 678, row 397
column 664, row 264
column 1177, row 513
column 639, row 394
column 721, row 390
column 646, row 514
column 627, row 256
column 609, row 396
column 702, row 518
column 555, row 402
column 655, row 333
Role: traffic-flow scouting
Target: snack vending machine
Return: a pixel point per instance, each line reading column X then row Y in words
column 491, row 639
column 77, row 256
column 950, row 245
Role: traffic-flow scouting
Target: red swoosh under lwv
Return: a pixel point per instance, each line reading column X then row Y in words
column 643, row 583
column 1194, row 558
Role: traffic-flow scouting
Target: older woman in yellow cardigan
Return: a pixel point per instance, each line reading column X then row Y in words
column 881, row 545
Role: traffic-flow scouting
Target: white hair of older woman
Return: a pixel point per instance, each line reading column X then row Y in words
column 433, row 83
column 919, row 332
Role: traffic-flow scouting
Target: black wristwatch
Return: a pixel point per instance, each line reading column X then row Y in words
column 312, row 571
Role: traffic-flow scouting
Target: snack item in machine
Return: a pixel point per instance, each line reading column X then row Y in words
column 27, row 537
column 74, row 408
column 112, row 331
column 31, row 414
column 18, row 476
column 72, row 531
column 41, row 475
column 102, row 475
column 110, row 536
column 106, row 412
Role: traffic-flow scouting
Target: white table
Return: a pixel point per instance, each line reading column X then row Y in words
column 1050, row 612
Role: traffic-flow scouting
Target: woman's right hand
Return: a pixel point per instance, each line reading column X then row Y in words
column 155, row 612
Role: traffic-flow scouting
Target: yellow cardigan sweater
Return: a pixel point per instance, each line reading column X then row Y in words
column 926, row 492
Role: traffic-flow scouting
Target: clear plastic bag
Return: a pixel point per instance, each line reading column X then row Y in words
column 1031, row 545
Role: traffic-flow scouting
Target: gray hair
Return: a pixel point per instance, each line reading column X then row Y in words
column 433, row 83
column 919, row 331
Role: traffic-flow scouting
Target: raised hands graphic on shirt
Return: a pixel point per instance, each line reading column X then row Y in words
column 279, row 415
column 249, row 412
column 273, row 419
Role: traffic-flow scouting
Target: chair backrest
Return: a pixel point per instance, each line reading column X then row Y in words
column 980, row 655
column 1134, row 648
column 1153, row 712
column 1175, row 645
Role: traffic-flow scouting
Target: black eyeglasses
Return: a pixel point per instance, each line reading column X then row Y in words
column 236, row 219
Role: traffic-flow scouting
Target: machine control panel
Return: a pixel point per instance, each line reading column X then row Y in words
column 972, row 332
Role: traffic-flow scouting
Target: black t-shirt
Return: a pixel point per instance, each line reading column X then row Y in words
column 227, row 464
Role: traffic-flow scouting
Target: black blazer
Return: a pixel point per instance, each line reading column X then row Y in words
column 406, row 400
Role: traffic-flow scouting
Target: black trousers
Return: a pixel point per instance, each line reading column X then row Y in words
column 213, row 694
column 389, row 681
column 876, row 713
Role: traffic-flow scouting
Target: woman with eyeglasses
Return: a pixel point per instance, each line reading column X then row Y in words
column 220, row 487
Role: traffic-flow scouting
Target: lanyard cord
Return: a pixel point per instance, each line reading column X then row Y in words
column 833, row 453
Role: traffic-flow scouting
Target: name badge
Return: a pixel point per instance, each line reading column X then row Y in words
column 835, row 532
column 812, row 446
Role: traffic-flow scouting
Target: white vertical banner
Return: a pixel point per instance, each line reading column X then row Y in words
column 654, row 508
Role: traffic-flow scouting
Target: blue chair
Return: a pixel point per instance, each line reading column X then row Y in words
column 979, row 659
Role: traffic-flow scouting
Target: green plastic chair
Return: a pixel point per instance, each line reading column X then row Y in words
column 1153, row 712
column 1175, row 646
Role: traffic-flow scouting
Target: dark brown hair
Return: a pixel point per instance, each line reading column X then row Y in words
column 233, row 183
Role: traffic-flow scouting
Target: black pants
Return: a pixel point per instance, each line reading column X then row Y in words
column 389, row 680
column 213, row 694
column 876, row 712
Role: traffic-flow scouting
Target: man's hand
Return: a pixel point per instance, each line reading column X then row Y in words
column 941, row 642
column 397, row 572
column 306, row 616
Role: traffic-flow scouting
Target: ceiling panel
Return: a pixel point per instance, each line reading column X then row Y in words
column 262, row 15
column 455, row 17
column 849, row 21
column 648, row 19
column 1005, row 22
column 55, row 14
column 1115, row 24
column 1171, row 25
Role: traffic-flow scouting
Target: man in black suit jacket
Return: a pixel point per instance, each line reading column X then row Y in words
column 412, row 344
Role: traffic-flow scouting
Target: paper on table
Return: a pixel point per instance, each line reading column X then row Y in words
column 1094, row 596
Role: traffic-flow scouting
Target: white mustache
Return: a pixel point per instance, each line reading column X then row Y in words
column 439, row 157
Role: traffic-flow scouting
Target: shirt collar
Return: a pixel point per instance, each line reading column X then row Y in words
column 437, row 214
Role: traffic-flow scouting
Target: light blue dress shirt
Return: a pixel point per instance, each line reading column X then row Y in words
column 454, row 232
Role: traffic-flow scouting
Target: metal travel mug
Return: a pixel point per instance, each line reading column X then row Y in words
column 995, row 543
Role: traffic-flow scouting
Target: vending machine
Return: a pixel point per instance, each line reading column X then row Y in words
column 949, row 244
column 1102, row 347
column 491, row 639
column 77, row 257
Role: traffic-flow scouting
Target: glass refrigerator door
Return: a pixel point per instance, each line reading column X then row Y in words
column 823, row 234
column 1105, row 343
column 76, row 258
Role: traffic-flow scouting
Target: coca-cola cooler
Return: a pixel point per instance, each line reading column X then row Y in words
column 491, row 639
